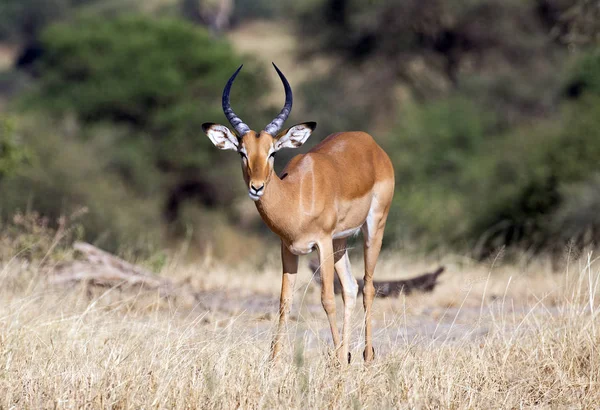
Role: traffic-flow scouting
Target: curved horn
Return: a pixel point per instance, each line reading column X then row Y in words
column 275, row 125
column 234, row 120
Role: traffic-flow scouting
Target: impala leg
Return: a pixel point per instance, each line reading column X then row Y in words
column 290, row 269
column 327, row 294
column 349, row 293
column 372, row 249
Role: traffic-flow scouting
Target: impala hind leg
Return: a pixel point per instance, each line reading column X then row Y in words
column 326, row 261
column 289, row 262
column 371, row 255
column 349, row 293
column 373, row 235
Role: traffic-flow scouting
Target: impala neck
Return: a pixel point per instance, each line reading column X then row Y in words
column 274, row 205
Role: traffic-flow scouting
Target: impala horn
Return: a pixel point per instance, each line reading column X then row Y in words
column 275, row 125
column 235, row 121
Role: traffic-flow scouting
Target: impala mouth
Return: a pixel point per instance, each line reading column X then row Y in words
column 255, row 196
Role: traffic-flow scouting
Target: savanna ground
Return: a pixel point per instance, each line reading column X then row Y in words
column 491, row 335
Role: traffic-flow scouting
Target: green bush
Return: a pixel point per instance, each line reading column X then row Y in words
column 12, row 154
column 532, row 186
column 432, row 148
column 161, row 78
column 137, row 89
column 539, row 174
column 66, row 175
column 584, row 76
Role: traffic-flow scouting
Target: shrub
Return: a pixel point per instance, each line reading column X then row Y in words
column 532, row 186
column 161, row 78
column 12, row 154
column 431, row 149
column 137, row 90
column 66, row 175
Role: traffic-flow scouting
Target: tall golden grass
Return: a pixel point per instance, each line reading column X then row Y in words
column 496, row 335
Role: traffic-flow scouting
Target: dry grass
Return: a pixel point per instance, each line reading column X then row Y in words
column 489, row 337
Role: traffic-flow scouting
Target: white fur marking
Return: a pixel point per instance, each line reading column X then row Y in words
column 222, row 137
column 294, row 137
column 298, row 249
column 347, row 233
column 350, row 281
column 369, row 225
column 349, row 284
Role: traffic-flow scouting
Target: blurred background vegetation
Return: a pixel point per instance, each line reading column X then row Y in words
column 489, row 109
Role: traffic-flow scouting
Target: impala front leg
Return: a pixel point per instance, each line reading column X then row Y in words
column 290, row 269
column 327, row 294
column 349, row 293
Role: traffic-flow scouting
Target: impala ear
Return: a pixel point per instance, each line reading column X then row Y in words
column 221, row 136
column 294, row 136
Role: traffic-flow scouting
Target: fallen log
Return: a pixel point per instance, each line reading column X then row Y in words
column 97, row 268
column 101, row 268
column 388, row 288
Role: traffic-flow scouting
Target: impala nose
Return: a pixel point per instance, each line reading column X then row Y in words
column 256, row 192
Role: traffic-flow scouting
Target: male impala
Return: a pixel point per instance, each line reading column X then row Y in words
column 341, row 186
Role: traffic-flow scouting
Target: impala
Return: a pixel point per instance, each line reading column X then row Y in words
column 341, row 186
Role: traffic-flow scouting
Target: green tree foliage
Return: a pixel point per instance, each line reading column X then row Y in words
column 126, row 98
column 68, row 174
column 584, row 76
column 435, row 46
column 159, row 79
column 23, row 19
column 575, row 22
column 163, row 82
column 12, row 154
column 462, row 182
column 431, row 149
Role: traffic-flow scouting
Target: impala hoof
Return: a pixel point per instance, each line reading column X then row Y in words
column 372, row 354
column 349, row 357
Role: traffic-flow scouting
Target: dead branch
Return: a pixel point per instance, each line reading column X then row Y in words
column 388, row 288
column 104, row 269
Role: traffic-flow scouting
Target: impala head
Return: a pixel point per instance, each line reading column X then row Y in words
column 257, row 149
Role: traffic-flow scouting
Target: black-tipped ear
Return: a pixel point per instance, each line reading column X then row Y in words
column 221, row 136
column 294, row 136
column 206, row 126
column 311, row 125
